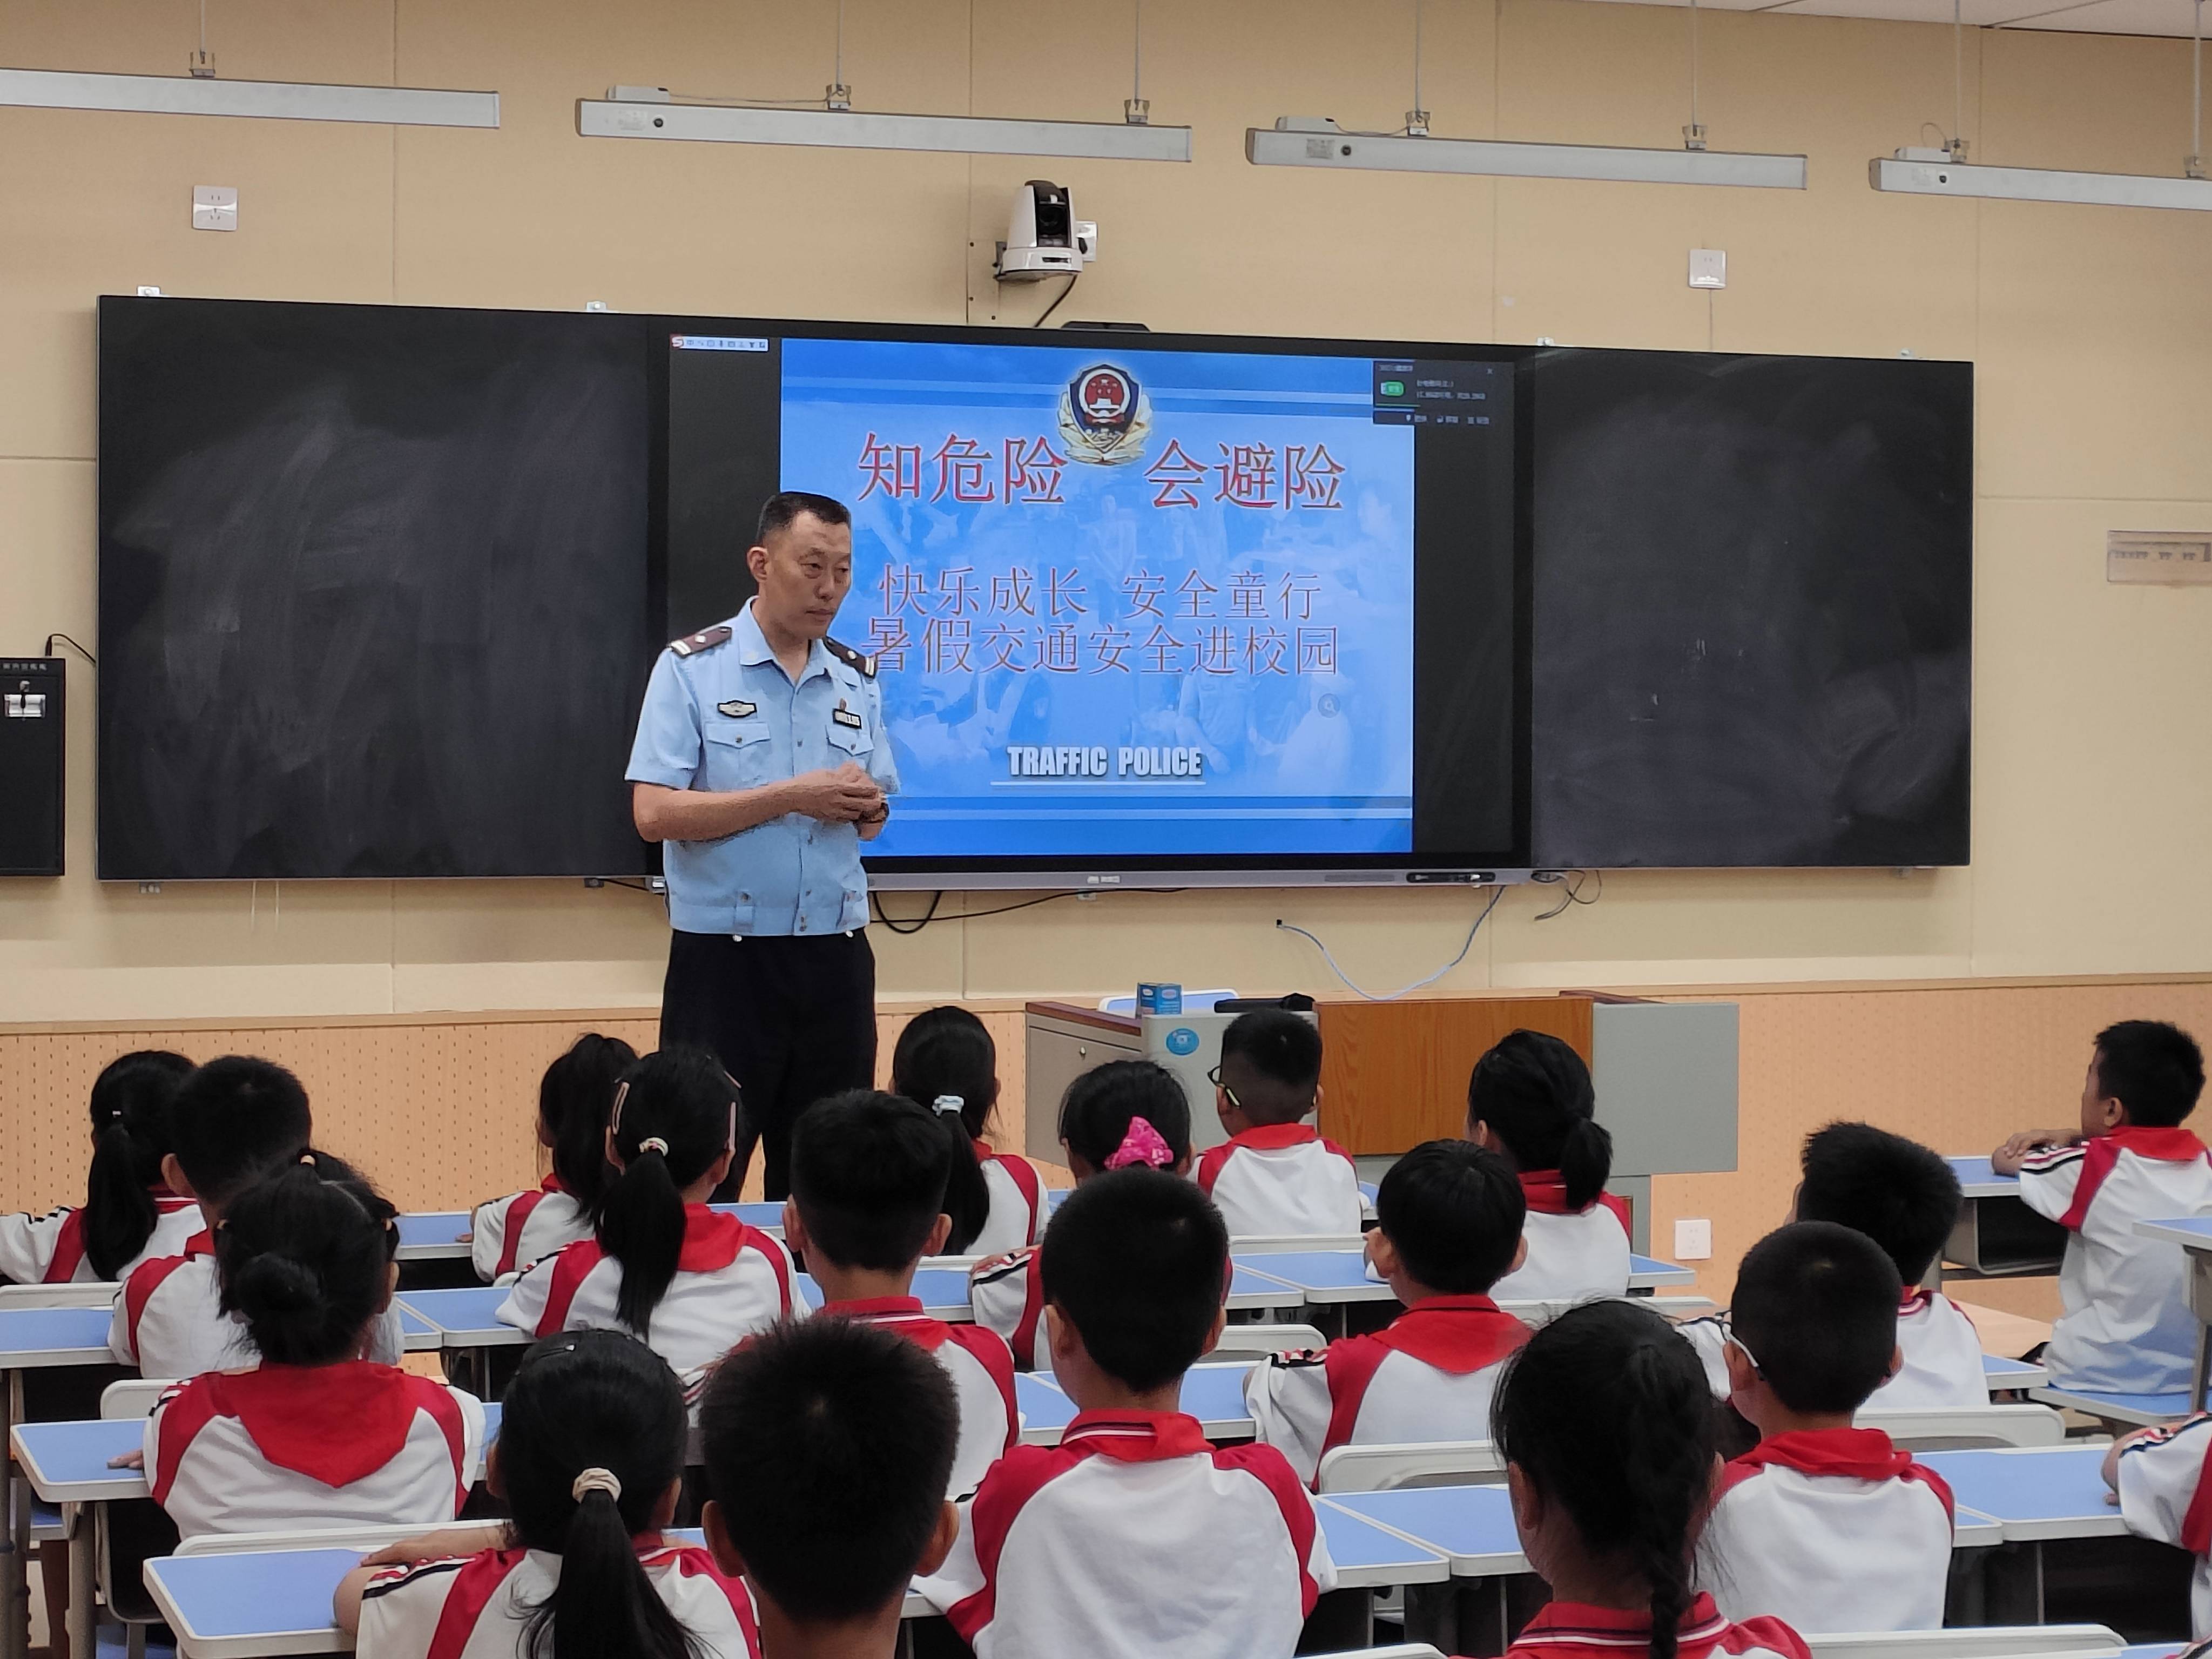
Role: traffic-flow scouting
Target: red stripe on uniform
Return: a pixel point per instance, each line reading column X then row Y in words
column 474, row 1586
column 518, row 1217
column 1350, row 1365
column 571, row 1267
column 1267, row 1466
column 139, row 1288
column 184, row 1410
column 990, row 1351
column 1019, row 1476
column 436, row 1401
column 69, row 1249
column 1023, row 1175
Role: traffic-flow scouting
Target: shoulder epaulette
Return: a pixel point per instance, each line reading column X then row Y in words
column 705, row 640
column 852, row 659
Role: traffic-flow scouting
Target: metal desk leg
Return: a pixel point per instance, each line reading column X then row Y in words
column 83, row 1608
column 15, row 1515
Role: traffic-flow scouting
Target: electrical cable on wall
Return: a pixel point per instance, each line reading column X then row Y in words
column 1073, row 278
column 67, row 641
column 1496, row 894
column 1570, row 884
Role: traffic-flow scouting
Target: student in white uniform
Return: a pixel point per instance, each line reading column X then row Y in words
column 1125, row 1113
column 832, row 1442
column 2158, row 1476
column 574, row 1099
column 868, row 1172
column 235, row 1120
column 130, row 1211
column 945, row 1059
column 316, row 1436
column 1529, row 1099
column 1450, row 1228
column 1607, row 1435
column 1905, row 1198
column 2126, row 1327
column 1826, row 1526
column 691, row 1282
column 1134, row 1535
column 590, row 1460
column 1275, row 1176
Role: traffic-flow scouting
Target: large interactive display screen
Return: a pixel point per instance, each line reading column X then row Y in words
column 1137, row 603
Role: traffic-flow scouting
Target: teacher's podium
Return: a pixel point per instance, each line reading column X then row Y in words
column 1395, row 1074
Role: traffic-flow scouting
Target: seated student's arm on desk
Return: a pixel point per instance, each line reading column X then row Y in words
column 118, row 1328
column 487, row 1237
column 847, row 795
column 27, row 1245
column 2155, row 1473
column 1290, row 1405
column 445, row 1544
column 528, row 1296
column 2007, row 1158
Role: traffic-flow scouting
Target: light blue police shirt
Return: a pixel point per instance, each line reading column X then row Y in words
column 727, row 717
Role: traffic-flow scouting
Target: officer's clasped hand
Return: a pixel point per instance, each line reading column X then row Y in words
column 844, row 795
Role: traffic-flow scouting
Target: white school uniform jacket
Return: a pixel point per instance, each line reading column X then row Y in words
column 1428, row 1376
column 2125, row 1327
column 1007, row 1296
column 1572, row 1254
column 168, row 1319
column 1280, row 1180
column 1569, row 1629
column 1135, row 1537
column 312, row 1446
column 49, row 1249
column 510, row 1233
column 982, row 1369
column 2164, row 1495
column 730, row 1280
column 477, row 1607
column 1831, row 1529
column 1018, row 1213
column 1942, row 1369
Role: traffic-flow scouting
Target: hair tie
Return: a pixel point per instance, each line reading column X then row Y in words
column 614, row 1118
column 596, row 1479
column 948, row 1103
column 652, row 1144
column 1142, row 1145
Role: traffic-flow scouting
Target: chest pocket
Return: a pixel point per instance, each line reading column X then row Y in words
column 740, row 754
column 851, row 740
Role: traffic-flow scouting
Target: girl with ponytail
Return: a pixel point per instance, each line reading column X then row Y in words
column 1605, row 1423
column 687, row 1279
column 318, row 1434
column 946, row 1061
column 590, row 1462
column 1530, row 1100
column 574, row 1099
column 1124, row 1114
column 129, row 1213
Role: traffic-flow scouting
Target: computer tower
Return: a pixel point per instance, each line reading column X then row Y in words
column 32, row 759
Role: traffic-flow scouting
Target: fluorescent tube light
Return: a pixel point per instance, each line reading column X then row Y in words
column 288, row 100
column 1914, row 175
column 1316, row 142
column 975, row 135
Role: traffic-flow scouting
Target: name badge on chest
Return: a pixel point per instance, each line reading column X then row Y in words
column 845, row 716
column 736, row 708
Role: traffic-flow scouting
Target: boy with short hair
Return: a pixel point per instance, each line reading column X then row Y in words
column 829, row 1444
column 1275, row 1176
column 1134, row 1536
column 2126, row 1327
column 234, row 1120
column 1450, row 1227
column 1905, row 1198
column 868, row 1173
column 1822, row 1525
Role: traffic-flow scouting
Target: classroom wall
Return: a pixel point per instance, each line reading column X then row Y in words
column 2094, row 343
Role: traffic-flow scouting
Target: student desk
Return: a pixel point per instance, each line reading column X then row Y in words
column 2194, row 1234
column 33, row 1339
column 1337, row 1279
column 2012, row 1374
column 1996, row 1235
column 434, row 1235
column 1471, row 1528
column 1214, row 1393
column 2034, row 1494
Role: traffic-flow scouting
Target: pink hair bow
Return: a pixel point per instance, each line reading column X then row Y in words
column 1143, row 1145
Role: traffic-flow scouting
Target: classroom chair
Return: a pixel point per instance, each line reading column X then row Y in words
column 1258, row 1341
column 129, row 1534
column 1968, row 1427
column 92, row 1293
column 1422, row 1463
column 1989, row 1642
column 1401, row 1650
column 133, row 1396
column 363, row 1538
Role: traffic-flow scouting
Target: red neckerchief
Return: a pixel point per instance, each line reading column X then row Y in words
column 1854, row 1454
column 1273, row 1137
column 1458, row 1334
column 336, row 1423
column 1135, row 1437
column 711, row 1239
column 2101, row 1153
column 1545, row 1192
column 903, row 1314
column 200, row 1243
column 552, row 1184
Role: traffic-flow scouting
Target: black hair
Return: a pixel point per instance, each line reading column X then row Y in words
column 1096, row 1112
column 2153, row 1069
column 783, row 509
column 593, row 1400
column 1607, row 1413
column 1454, row 1213
column 1138, row 1261
column 574, row 1099
column 1895, row 1191
column 681, row 1098
column 131, row 1101
column 1534, row 1093
column 303, row 1255
column 828, row 1446
column 234, row 1121
column 1815, row 1305
column 868, row 1173
column 946, row 1053
column 1283, row 1051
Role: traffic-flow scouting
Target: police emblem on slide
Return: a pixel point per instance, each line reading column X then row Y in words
column 1105, row 416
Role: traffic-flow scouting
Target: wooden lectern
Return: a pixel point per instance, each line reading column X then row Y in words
column 1395, row 1074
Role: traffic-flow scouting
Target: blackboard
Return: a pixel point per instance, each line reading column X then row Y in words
column 1753, row 610
column 374, row 589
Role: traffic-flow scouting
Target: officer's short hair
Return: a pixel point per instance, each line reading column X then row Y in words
column 783, row 508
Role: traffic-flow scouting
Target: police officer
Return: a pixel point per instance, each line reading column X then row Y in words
column 760, row 765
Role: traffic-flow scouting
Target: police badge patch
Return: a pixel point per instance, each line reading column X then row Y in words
column 1105, row 417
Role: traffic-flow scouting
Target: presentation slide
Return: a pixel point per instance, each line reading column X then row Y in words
column 1157, row 602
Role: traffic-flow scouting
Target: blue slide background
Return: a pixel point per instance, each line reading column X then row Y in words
column 1308, row 606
